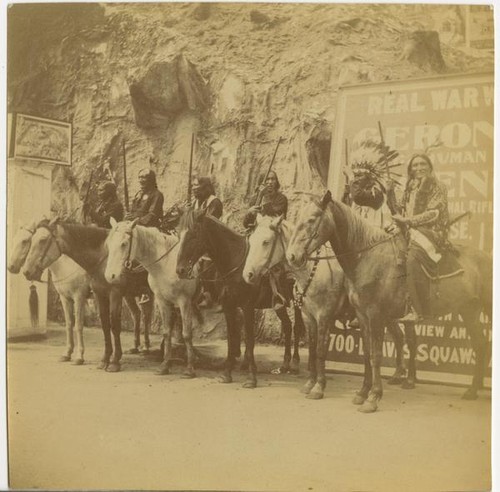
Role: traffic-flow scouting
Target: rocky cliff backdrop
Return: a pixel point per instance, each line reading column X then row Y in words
column 238, row 76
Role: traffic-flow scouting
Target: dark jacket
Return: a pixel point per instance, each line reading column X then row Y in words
column 105, row 210
column 212, row 205
column 149, row 207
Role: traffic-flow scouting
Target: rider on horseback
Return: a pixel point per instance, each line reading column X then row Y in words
column 205, row 199
column 109, row 206
column 424, row 212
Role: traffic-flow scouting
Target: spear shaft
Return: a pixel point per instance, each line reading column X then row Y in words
column 125, row 185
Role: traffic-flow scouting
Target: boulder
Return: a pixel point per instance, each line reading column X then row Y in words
column 167, row 89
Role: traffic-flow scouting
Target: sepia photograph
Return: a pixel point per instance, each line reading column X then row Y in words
column 249, row 246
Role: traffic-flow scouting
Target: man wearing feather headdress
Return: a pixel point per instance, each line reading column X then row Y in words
column 366, row 188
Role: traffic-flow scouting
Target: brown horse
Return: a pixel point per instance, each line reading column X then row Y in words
column 86, row 246
column 377, row 284
column 202, row 234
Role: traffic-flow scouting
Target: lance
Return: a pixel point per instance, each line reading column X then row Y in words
column 259, row 199
column 384, row 151
column 125, row 185
column 190, row 176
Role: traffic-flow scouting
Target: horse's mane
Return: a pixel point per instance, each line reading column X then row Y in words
column 86, row 236
column 355, row 229
column 190, row 217
column 359, row 231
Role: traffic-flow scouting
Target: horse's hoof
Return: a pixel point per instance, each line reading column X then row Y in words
column 408, row 384
column 250, row 384
column 470, row 394
column 132, row 351
column 78, row 362
column 358, row 399
column 315, row 395
column 294, row 370
column 163, row 370
column 306, row 389
column 279, row 370
column 102, row 365
column 113, row 367
column 188, row 375
column 225, row 379
column 369, row 406
column 64, row 358
column 395, row 380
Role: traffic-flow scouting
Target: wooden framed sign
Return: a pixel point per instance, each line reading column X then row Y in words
column 40, row 139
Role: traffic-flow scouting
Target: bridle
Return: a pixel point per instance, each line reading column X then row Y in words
column 49, row 243
column 277, row 237
column 128, row 263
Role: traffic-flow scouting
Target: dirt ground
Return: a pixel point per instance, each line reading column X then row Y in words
column 79, row 427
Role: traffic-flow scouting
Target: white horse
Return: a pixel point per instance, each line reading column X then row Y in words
column 319, row 291
column 157, row 253
column 71, row 283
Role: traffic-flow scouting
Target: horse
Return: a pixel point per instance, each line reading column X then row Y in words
column 201, row 235
column 157, row 253
column 376, row 284
column 86, row 246
column 320, row 292
column 71, row 283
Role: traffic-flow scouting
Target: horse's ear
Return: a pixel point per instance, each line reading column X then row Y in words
column 112, row 221
column 258, row 218
column 327, row 198
column 135, row 222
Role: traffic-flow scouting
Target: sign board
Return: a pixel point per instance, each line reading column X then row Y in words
column 480, row 29
column 40, row 139
column 455, row 112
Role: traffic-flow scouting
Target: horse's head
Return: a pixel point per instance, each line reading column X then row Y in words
column 121, row 250
column 44, row 250
column 193, row 244
column 266, row 248
column 310, row 232
column 20, row 247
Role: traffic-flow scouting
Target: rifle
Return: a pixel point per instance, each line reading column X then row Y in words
column 125, row 185
column 190, row 176
column 87, row 193
column 260, row 195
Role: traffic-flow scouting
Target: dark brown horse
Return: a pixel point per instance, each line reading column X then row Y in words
column 377, row 284
column 86, row 246
column 204, row 235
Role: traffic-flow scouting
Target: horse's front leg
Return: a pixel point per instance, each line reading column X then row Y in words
column 79, row 308
column 67, row 305
column 298, row 331
column 398, row 338
column 136, row 317
column 312, row 333
column 411, row 341
column 362, row 394
column 286, row 328
column 233, row 342
column 147, row 315
column 249, row 316
column 376, row 333
column 187, row 333
column 167, row 314
column 116, row 327
column 103, row 303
